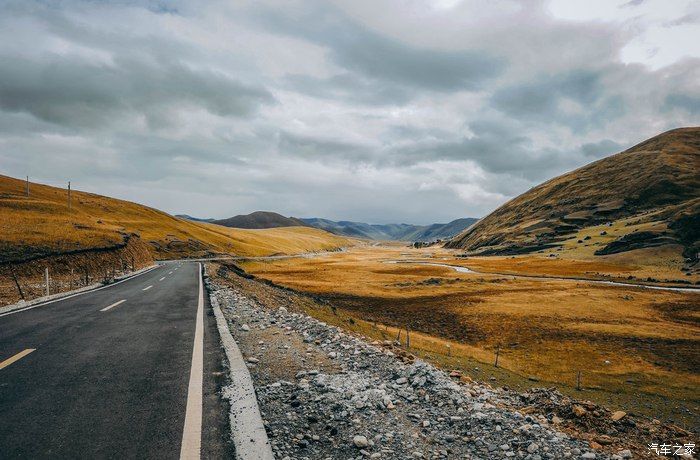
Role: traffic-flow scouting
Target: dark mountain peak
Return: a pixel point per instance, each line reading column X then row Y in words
column 261, row 219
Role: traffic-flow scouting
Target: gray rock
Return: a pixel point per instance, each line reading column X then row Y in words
column 360, row 441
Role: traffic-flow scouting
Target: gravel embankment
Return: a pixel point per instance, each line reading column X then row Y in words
column 325, row 394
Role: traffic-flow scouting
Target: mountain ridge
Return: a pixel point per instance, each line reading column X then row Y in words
column 393, row 232
column 651, row 191
column 380, row 232
column 260, row 220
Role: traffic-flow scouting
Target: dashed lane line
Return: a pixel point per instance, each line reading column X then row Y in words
column 16, row 357
column 147, row 288
column 113, row 305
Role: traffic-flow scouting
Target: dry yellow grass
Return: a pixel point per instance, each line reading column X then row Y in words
column 654, row 185
column 625, row 340
column 42, row 224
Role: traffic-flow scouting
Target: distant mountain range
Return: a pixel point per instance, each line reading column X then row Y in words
column 193, row 219
column 386, row 232
column 398, row 232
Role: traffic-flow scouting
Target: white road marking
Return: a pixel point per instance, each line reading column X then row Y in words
column 114, row 305
column 170, row 273
column 147, row 288
column 19, row 310
column 162, row 279
column 192, row 432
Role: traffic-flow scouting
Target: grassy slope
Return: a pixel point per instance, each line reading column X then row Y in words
column 43, row 225
column 644, row 189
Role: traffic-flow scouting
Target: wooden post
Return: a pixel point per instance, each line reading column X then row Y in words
column 14, row 277
column 46, row 280
column 69, row 200
column 408, row 337
column 449, row 350
column 27, row 186
column 398, row 337
column 71, row 279
column 498, row 351
column 578, row 380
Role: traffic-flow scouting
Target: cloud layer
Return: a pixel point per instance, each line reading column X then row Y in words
column 381, row 111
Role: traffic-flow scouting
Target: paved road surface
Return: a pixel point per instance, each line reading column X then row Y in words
column 110, row 372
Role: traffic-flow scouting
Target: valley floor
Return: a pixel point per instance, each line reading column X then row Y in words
column 627, row 347
column 327, row 393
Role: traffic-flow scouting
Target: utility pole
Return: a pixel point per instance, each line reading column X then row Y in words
column 69, row 200
column 27, row 186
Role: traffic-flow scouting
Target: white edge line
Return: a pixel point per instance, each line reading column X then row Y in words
column 19, row 310
column 191, row 447
column 162, row 279
column 147, row 288
column 113, row 305
column 247, row 428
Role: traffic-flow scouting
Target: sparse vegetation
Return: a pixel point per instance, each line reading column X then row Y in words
column 635, row 347
column 645, row 197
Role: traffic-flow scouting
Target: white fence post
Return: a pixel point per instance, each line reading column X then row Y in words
column 46, row 280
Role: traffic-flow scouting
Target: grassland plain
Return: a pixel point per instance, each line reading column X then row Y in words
column 636, row 348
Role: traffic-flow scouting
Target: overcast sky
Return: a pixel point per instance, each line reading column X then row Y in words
column 382, row 111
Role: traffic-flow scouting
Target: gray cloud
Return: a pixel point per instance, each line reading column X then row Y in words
column 601, row 148
column 356, row 48
column 347, row 110
column 352, row 88
column 687, row 102
column 578, row 98
column 498, row 147
column 81, row 94
column 320, row 149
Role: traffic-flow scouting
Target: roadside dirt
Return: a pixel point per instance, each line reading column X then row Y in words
column 68, row 271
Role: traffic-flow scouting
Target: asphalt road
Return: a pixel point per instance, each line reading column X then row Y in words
column 110, row 373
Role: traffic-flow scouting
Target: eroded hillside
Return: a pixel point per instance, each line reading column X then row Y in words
column 645, row 197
